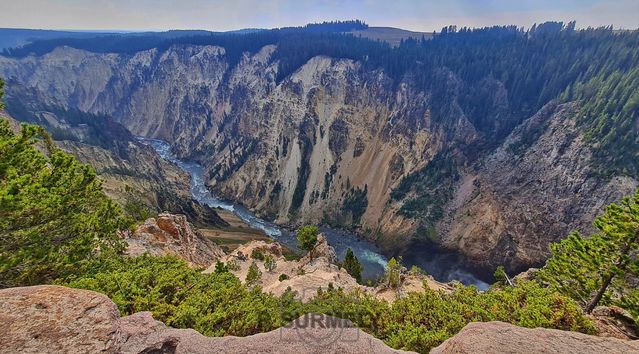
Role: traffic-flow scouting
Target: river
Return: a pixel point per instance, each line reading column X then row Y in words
column 444, row 266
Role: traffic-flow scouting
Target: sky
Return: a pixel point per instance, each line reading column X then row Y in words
column 222, row 15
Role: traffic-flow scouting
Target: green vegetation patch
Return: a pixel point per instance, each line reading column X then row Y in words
column 355, row 204
column 431, row 188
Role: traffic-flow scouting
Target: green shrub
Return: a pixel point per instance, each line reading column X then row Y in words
column 421, row 321
column 307, row 238
column 392, row 273
column 253, row 276
column 214, row 304
column 220, row 267
column 232, row 265
column 269, row 263
column 257, row 254
column 415, row 270
column 352, row 265
column 219, row 304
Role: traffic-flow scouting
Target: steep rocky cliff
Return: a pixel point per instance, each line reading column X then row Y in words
column 340, row 144
column 535, row 188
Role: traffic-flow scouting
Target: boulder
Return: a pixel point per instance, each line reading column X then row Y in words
column 529, row 274
column 311, row 333
column 55, row 319
column 172, row 234
column 614, row 322
column 500, row 337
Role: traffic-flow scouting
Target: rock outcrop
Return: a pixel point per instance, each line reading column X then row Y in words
column 302, row 276
column 500, row 337
column 305, row 276
column 311, row 333
column 613, row 321
column 172, row 234
column 54, row 319
column 321, row 250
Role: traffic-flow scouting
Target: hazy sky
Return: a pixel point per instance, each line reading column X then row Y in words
column 219, row 15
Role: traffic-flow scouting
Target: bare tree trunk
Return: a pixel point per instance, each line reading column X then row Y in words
column 621, row 265
column 508, row 280
column 602, row 290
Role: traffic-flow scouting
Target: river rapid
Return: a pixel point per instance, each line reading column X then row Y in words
column 443, row 266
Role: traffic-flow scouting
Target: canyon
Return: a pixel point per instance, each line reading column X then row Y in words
column 339, row 144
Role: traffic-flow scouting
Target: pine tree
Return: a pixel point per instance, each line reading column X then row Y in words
column 352, row 265
column 253, row 276
column 54, row 215
column 220, row 267
column 269, row 263
column 392, row 273
column 307, row 238
column 596, row 270
column 1, row 93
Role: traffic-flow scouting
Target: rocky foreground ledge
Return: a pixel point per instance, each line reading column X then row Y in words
column 54, row 319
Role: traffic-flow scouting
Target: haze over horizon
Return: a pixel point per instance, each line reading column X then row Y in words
column 157, row 15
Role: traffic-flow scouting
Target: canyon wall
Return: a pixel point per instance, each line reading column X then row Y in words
column 339, row 144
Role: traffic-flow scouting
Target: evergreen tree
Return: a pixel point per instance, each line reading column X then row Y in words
column 54, row 215
column 1, row 93
column 220, row 267
column 352, row 265
column 392, row 273
column 269, row 263
column 599, row 269
column 501, row 277
column 253, row 276
column 307, row 238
